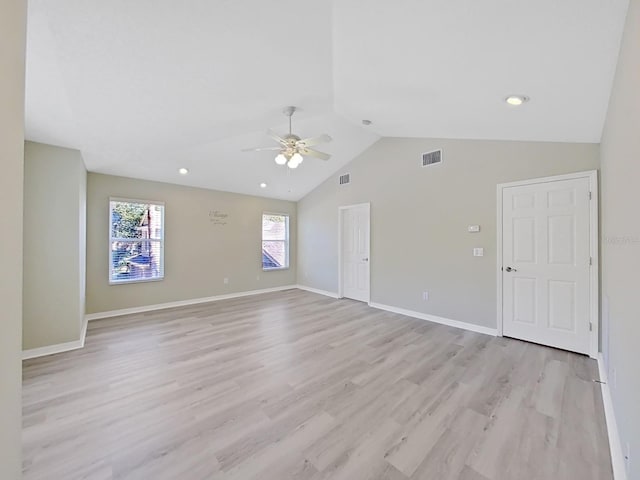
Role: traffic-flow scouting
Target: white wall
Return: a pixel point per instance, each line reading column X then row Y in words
column 12, row 52
column 198, row 253
column 55, row 182
column 620, row 157
column 419, row 219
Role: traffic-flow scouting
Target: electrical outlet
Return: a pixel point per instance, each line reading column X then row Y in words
column 425, row 295
column 627, row 459
column 226, row 281
column 257, row 277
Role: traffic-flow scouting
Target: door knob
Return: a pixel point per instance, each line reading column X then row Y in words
column 509, row 269
column 365, row 259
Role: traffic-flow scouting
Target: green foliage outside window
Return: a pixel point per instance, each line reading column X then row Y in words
column 126, row 218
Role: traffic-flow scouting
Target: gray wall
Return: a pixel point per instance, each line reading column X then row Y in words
column 55, row 181
column 198, row 253
column 620, row 158
column 13, row 18
column 419, row 219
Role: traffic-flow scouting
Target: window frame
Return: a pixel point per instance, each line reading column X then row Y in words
column 286, row 241
column 116, row 239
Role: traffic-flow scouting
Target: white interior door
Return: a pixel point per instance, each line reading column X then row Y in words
column 355, row 252
column 546, row 262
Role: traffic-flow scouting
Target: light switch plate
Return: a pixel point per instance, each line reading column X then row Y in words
column 478, row 252
column 473, row 228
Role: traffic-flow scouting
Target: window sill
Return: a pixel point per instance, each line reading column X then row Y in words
column 141, row 280
column 274, row 269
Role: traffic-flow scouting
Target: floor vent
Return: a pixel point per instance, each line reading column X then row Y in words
column 345, row 179
column 431, row 158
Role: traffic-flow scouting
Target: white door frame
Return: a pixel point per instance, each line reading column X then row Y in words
column 594, row 287
column 341, row 210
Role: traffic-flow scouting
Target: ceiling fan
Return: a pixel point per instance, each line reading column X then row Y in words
column 292, row 148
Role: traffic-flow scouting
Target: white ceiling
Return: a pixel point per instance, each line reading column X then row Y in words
column 143, row 88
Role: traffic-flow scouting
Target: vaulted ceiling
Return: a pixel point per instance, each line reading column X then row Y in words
column 143, row 88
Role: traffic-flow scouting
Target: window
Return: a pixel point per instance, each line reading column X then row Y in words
column 136, row 241
column 275, row 241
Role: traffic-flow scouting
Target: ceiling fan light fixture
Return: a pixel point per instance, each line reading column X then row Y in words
column 281, row 159
column 295, row 160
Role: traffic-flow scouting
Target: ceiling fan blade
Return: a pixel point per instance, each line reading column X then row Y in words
column 260, row 149
column 315, row 153
column 277, row 137
column 309, row 142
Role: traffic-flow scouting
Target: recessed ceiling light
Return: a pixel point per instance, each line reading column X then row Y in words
column 263, row 185
column 367, row 122
column 183, row 171
column 516, row 100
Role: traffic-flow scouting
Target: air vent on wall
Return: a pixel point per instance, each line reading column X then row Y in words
column 432, row 158
column 345, row 179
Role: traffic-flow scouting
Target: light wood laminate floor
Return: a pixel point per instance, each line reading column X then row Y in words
column 293, row 385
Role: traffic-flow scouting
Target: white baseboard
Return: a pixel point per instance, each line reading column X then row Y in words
column 63, row 347
column 58, row 348
column 435, row 319
column 182, row 303
column 318, row 291
column 617, row 456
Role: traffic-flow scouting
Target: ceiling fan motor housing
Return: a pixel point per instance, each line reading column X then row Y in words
column 292, row 138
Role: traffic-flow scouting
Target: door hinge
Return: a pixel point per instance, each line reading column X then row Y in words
column 590, row 261
column 590, row 195
column 590, row 327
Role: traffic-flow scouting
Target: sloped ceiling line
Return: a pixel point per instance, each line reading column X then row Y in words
column 145, row 88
